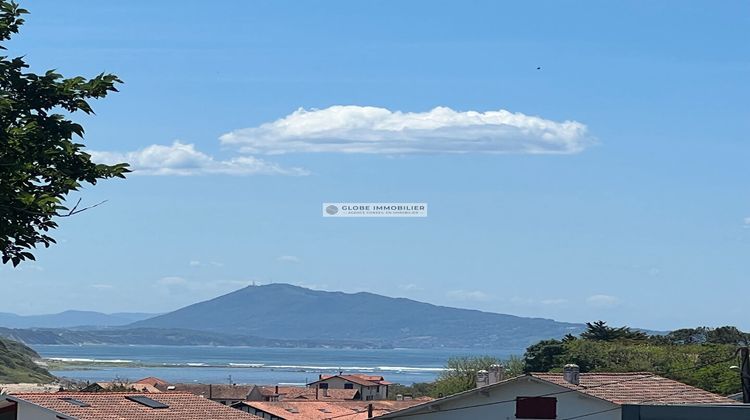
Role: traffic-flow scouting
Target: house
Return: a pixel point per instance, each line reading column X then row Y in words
column 370, row 387
column 284, row 393
column 153, row 381
column 225, row 394
column 571, row 394
column 115, row 406
column 321, row 410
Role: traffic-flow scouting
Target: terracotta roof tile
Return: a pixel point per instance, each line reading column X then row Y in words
column 115, row 406
column 298, row 392
column 212, row 391
column 636, row 387
column 319, row 410
column 152, row 380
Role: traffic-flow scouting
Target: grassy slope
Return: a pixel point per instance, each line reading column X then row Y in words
column 17, row 364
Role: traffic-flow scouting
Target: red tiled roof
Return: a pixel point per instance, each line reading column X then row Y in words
column 212, row 391
column 298, row 392
column 320, row 410
column 114, row 406
column 364, row 380
column 152, row 380
column 636, row 387
column 310, row 393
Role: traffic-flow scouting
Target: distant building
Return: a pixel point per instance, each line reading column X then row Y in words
column 222, row 393
column 119, row 386
column 109, row 405
column 370, row 387
column 592, row 396
column 297, row 393
column 153, row 381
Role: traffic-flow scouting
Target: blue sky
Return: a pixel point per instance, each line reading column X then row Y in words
column 638, row 215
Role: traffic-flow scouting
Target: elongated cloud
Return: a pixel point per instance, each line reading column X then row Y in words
column 185, row 159
column 365, row 129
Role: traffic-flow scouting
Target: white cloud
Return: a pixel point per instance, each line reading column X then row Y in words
column 185, row 159
column 411, row 287
column 196, row 263
column 468, row 295
column 603, row 301
column 288, row 259
column 366, row 129
column 746, row 222
column 102, row 286
column 172, row 281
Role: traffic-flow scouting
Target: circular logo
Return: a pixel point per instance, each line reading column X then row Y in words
column 332, row 209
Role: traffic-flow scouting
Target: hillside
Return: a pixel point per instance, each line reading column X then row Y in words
column 17, row 364
column 68, row 319
column 159, row 336
column 284, row 311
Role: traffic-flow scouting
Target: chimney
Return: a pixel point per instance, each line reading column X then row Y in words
column 277, row 390
column 369, row 411
column 572, row 373
column 496, row 373
column 483, row 378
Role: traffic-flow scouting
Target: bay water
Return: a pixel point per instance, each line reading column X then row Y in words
column 248, row 365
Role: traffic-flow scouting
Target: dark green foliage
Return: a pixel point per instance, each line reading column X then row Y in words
column 701, row 356
column 40, row 164
column 721, row 335
column 17, row 364
column 543, row 355
column 599, row 330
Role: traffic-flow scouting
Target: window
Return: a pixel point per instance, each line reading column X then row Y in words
column 536, row 408
column 148, row 402
column 323, row 385
column 348, row 386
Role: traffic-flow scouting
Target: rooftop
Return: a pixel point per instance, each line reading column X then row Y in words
column 118, row 406
column 320, row 410
column 636, row 387
column 298, row 392
column 212, row 391
column 360, row 379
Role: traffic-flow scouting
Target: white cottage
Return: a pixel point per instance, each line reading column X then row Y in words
column 569, row 395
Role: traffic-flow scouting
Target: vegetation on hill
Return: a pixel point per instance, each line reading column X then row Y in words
column 285, row 313
column 701, row 357
column 17, row 364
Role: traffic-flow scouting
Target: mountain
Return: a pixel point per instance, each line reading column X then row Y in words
column 287, row 312
column 17, row 364
column 70, row 319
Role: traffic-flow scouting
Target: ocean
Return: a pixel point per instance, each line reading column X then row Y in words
column 248, row 365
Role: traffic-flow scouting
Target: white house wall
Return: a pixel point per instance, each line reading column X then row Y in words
column 570, row 404
column 28, row 411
